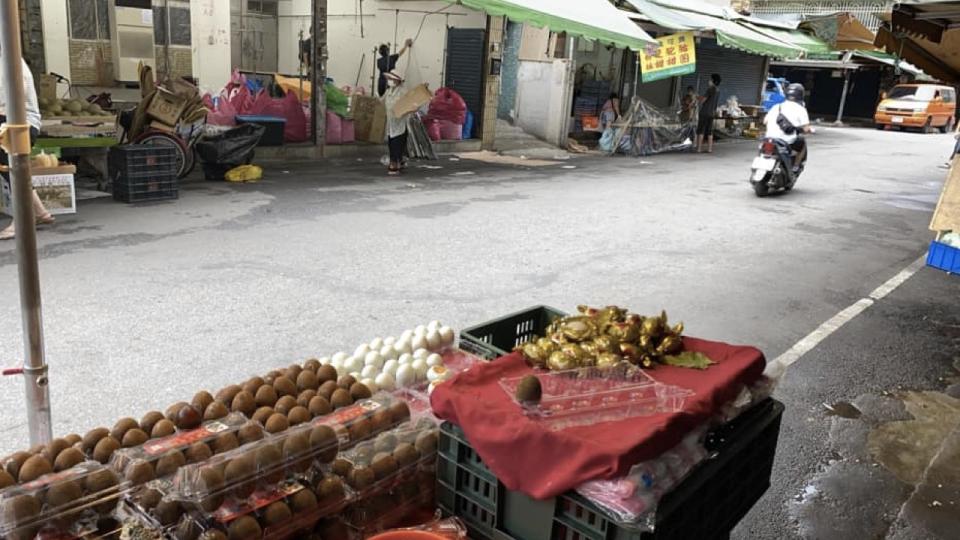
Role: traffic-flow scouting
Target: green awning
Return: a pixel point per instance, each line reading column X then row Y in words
column 591, row 19
column 891, row 60
column 689, row 15
column 808, row 43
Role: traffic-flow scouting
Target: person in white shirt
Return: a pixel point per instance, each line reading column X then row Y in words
column 41, row 214
column 396, row 125
column 788, row 121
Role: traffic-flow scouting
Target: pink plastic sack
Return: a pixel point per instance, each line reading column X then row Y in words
column 347, row 133
column 222, row 113
column 334, row 129
column 450, row 131
column 433, row 128
column 448, row 105
column 288, row 108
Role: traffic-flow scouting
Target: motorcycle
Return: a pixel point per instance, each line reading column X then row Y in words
column 772, row 168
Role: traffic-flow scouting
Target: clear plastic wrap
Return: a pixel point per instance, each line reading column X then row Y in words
column 450, row 528
column 633, row 499
column 162, row 457
column 584, row 396
column 647, row 129
column 70, row 502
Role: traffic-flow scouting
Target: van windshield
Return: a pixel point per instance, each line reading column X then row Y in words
column 911, row 93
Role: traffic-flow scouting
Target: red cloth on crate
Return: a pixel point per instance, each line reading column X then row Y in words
column 526, row 456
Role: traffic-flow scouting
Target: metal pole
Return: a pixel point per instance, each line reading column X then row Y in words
column 166, row 41
column 18, row 137
column 843, row 96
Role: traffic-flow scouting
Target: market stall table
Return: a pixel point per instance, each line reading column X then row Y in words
column 87, row 138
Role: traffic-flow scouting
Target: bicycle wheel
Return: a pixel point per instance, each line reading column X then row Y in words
column 160, row 138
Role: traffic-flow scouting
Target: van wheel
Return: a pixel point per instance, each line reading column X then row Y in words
column 927, row 127
column 881, row 127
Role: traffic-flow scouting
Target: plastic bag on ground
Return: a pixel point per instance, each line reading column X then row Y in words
column 337, row 101
column 229, row 149
column 244, row 173
column 448, row 105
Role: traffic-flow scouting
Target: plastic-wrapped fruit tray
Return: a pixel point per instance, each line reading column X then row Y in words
column 590, row 395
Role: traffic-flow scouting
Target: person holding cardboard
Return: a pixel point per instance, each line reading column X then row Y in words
column 396, row 124
column 42, row 215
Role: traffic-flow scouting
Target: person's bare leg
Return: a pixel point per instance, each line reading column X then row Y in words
column 710, row 144
column 699, row 143
column 40, row 212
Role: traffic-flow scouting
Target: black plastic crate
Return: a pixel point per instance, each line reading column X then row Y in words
column 706, row 505
column 498, row 337
column 141, row 173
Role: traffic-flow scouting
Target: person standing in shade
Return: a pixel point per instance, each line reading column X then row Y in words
column 708, row 109
column 41, row 214
column 396, row 125
column 387, row 63
column 688, row 106
column 610, row 111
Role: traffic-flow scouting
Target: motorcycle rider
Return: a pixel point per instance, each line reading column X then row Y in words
column 787, row 122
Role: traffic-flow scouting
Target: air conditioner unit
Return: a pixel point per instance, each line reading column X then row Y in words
column 131, row 31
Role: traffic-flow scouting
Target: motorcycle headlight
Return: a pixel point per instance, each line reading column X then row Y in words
column 881, row 109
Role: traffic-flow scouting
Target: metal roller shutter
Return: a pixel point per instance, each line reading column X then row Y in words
column 742, row 74
column 465, row 67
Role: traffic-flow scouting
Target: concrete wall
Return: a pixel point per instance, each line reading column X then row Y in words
column 347, row 48
column 543, row 99
column 181, row 60
column 210, row 52
column 509, row 70
column 91, row 63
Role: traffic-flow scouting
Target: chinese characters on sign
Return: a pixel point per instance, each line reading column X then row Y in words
column 675, row 56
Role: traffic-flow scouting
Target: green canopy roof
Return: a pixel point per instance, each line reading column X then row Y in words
column 691, row 15
column 592, row 19
column 810, row 44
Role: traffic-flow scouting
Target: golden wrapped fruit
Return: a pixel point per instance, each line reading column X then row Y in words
column 608, row 360
column 671, row 344
column 624, row 331
column 652, row 326
column 631, row 352
column 578, row 328
column 560, row 361
column 573, row 350
column 607, row 344
column 534, row 354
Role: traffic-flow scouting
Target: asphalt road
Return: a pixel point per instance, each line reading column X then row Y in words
column 145, row 305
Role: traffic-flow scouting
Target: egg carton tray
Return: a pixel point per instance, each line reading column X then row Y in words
column 590, row 395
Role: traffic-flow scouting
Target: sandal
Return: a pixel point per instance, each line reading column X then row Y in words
column 46, row 219
column 9, row 233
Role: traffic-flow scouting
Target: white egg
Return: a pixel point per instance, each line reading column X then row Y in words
column 385, row 381
column 402, row 347
column 421, row 353
column 325, row 361
column 406, row 376
column 341, row 355
column 375, row 344
column 434, row 360
column 420, row 330
column 355, row 375
column 447, row 335
column 373, row 358
column 419, row 341
column 405, row 359
column 371, row 384
column 353, row 364
column 369, row 372
column 406, row 335
column 390, row 366
column 387, row 352
column 433, row 325
column 437, row 373
column 421, row 367
column 433, row 340
column 338, row 365
column 362, row 350
column 389, row 341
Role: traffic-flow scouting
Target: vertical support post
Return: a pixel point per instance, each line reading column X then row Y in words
column 843, row 96
column 18, row 137
column 318, row 74
column 496, row 30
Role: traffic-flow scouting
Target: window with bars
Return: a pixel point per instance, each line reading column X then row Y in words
column 866, row 11
column 179, row 25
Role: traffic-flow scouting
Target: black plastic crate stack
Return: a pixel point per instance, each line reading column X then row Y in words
column 143, row 173
column 593, row 94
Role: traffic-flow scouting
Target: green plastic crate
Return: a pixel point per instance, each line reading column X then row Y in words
column 706, row 505
column 498, row 337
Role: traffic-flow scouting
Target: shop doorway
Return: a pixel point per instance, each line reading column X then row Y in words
column 464, row 68
column 254, row 35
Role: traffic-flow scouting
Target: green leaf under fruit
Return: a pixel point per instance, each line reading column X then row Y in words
column 689, row 359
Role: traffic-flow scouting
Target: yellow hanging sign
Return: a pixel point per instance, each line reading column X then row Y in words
column 675, row 55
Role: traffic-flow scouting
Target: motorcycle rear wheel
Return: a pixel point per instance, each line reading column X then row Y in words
column 762, row 189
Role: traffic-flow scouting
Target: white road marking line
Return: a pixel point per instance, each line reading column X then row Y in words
column 834, row 323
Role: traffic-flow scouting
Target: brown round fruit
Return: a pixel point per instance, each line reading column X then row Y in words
column 213, row 534
column 360, row 391
column 100, row 481
column 360, row 430
column 319, row 406
column 341, row 467
column 92, row 437
column 326, row 373
column 249, row 432
column 105, row 448
column 275, row 514
column 384, row 465
column 269, row 463
column 149, row 420
column 63, row 493
column 122, row 426
column 139, row 472
column 67, row 459
column 198, row 452
column 253, row 384
column 304, row 398
column 324, row 439
column 285, row 386
column 211, row 482
column 21, row 509
column 330, row 488
column 188, row 417
column 163, row 428
column 34, row 467
column 346, row 382
column 296, row 451
column 225, row 395
column 53, row 449
column 244, row 528
column 307, row 380
column 382, row 420
column 244, row 403
column 171, row 412
column 298, row 415
column 327, row 389
column 362, row 477
column 426, row 443
column 224, row 443
column 72, row 439
column 303, row 501
column 266, row 396
column 149, row 498
column 6, row 480
column 341, row 398
column 215, row 411
column 201, row 400
column 134, row 437
column 168, row 512
column 169, row 463
column 400, row 412
column 261, row 414
column 239, row 471
column 277, row 423
column 285, row 404
column 406, row 454
column 312, row 364
column 293, row 371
